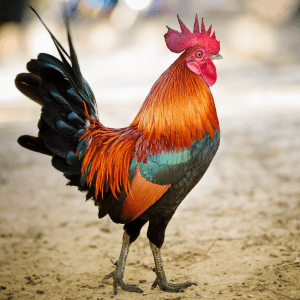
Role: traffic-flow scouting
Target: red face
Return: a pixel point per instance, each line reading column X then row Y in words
column 200, row 62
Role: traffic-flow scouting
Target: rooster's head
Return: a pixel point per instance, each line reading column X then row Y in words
column 200, row 49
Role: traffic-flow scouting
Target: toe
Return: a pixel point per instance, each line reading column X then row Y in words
column 173, row 288
column 129, row 287
column 176, row 287
column 155, row 283
column 109, row 275
column 115, row 286
column 183, row 285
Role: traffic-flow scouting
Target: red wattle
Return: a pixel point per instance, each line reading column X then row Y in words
column 209, row 73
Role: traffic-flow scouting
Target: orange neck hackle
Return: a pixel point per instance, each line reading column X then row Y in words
column 179, row 107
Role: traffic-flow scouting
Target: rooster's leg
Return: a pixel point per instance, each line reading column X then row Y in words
column 118, row 273
column 161, row 279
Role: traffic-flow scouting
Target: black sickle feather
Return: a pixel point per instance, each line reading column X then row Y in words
column 74, row 75
column 56, row 42
column 62, row 51
column 73, row 56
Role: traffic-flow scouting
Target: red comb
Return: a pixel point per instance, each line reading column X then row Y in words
column 180, row 41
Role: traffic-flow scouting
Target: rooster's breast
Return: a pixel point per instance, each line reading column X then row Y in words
column 187, row 174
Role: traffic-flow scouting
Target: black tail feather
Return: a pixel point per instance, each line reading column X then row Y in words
column 65, row 128
column 28, row 84
column 60, row 164
column 56, row 42
column 73, row 56
column 60, row 88
column 34, row 144
column 74, row 118
column 58, row 144
column 33, row 67
column 80, row 84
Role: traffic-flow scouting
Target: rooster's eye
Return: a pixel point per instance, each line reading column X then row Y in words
column 199, row 54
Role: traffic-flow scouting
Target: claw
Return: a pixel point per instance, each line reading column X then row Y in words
column 114, row 262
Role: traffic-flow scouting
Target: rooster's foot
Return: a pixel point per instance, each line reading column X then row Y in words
column 117, row 275
column 170, row 287
column 161, row 279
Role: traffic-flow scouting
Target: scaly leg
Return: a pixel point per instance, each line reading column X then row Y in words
column 161, row 279
column 118, row 273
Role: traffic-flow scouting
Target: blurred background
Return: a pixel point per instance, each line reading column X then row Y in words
column 121, row 41
column 249, row 198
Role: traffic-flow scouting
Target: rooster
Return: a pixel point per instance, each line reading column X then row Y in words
column 142, row 172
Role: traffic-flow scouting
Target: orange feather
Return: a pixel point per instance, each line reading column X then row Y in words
column 147, row 194
column 109, row 154
column 178, row 109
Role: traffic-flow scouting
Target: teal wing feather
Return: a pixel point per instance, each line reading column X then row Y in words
column 170, row 167
column 166, row 168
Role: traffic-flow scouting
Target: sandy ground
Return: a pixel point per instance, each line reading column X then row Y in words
column 236, row 235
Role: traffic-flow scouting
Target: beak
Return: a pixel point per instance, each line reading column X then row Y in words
column 216, row 56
